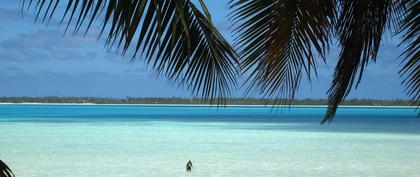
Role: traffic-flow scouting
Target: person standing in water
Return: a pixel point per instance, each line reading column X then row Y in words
column 189, row 166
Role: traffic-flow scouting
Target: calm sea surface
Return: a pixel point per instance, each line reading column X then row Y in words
column 149, row 141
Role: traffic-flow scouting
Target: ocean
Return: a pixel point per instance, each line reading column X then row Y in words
column 157, row 141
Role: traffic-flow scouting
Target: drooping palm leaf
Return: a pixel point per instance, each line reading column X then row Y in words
column 5, row 171
column 279, row 39
column 174, row 36
column 360, row 26
column 410, row 28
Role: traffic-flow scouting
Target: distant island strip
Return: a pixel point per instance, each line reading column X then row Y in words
column 174, row 100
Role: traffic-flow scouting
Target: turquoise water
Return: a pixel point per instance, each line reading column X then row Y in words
column 109, row 140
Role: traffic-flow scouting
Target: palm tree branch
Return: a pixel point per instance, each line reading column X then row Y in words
column 410, row 72
column 5, row 171
column 279, row 39
column 360, row 27
column 176, row 38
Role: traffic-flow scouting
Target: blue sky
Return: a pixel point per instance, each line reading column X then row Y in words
column 39, row 60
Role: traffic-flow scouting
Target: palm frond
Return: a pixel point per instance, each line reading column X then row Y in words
column 360, row 26
column 410, row 71
column 280, row 39
column 174, row 36
column 5, row 170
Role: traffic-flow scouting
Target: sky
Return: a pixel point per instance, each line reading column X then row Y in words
column 38, row 59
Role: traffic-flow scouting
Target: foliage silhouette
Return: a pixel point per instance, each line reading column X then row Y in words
column 278, row 41
column 5, row 170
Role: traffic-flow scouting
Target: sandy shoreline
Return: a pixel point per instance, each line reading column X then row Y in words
column 205, row 105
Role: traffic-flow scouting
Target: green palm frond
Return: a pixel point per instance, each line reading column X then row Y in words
column 174, row 36
column 360, row 27
column 278, row 40
column 5, row 170
column 410, row 72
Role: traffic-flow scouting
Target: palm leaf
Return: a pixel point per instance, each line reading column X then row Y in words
column 5, row 170
column 410, row 71
column 360, row 27
column 278, row 40
column 174, row 36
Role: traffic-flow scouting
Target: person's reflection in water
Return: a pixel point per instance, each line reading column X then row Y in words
column 189, row 166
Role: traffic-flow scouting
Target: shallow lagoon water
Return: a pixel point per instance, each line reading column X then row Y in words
column 121, row 140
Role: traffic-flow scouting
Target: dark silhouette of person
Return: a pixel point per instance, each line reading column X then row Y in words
column 189, row 166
